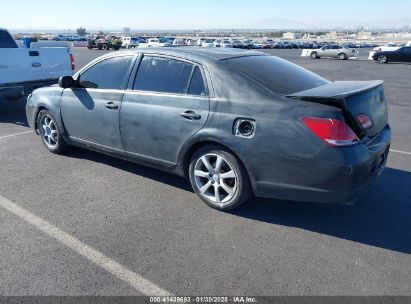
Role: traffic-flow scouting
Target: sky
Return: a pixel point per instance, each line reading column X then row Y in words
column 203, row 14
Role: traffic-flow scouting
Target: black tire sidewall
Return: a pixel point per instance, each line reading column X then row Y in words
column 61, row 145
column 243, row 182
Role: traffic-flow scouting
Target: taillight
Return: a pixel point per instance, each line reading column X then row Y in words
column 73, row 66
column 365, row 121
column 334, row 132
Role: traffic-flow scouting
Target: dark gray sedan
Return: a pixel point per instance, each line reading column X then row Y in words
column 234, row 122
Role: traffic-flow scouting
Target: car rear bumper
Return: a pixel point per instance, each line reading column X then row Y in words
column 336, row 175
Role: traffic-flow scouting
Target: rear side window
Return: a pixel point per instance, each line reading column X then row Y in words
column 197, row 86
column 6, row 41
column 158, row 74
column 107, row 74
column 276, row 74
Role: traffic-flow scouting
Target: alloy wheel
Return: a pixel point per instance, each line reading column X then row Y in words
column 215, row 178
column 49, row 132
column 382, row 59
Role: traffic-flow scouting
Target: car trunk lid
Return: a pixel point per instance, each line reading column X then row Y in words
column 355, row 98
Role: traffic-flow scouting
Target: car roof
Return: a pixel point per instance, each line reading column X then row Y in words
column 198, row 53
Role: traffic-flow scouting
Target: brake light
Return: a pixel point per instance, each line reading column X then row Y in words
column 73, row 66
column 365, row 121
column 334, row 132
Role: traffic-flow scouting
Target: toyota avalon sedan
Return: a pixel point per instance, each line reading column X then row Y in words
column 234, row 122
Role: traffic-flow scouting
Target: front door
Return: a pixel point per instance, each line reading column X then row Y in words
column 168, row 104
column 91, row 112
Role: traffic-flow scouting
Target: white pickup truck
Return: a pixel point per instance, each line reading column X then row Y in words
column 23, row 70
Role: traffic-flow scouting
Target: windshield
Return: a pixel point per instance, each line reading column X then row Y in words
column 276, row 74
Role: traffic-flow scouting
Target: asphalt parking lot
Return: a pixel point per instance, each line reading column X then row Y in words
column 156, row 228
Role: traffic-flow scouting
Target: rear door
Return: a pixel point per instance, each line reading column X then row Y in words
column 167, row 103
column 335, row 50
column 404, row 54
column 91, row 112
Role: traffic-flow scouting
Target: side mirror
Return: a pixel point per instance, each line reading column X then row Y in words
column 67, row 82
column 87, row 84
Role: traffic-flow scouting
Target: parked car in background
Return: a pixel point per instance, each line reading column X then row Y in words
column 237, row 44
column 61, row 38
column 226, row 44
column 179, row 42
column 156, row 42
column 76, row 38
column 403, row 54
column 208, row 43
column 129, row 42
column 217, row 43
column 192, row 42
column 200, row 41
column 334, row 51
column 174, row 113
column 24, row 69
column 248, row 44
column 104, row 42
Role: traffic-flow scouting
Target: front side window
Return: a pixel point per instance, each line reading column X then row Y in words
column 107, row 74
column 165, row 75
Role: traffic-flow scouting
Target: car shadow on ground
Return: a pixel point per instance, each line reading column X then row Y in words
column 14, row 112
column 380, row 218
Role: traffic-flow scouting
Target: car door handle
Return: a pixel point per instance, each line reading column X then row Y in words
column 191, row 115
column 111, row 105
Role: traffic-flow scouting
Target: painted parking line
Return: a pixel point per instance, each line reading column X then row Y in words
column 400, row 152
column 131, row 278
column 16, row 134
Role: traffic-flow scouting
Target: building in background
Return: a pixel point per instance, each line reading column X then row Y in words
column 291, row 35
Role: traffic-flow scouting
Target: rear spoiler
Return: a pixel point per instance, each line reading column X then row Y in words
column 337, row 89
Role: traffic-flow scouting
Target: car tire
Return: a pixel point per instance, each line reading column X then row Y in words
column 214, row 168
column 314, row 55
column 382, row 59
column 100, row 48
column 342, row 56
column 50, row 133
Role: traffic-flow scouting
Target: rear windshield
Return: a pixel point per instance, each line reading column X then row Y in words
column 276, row 74
column 6, row 41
